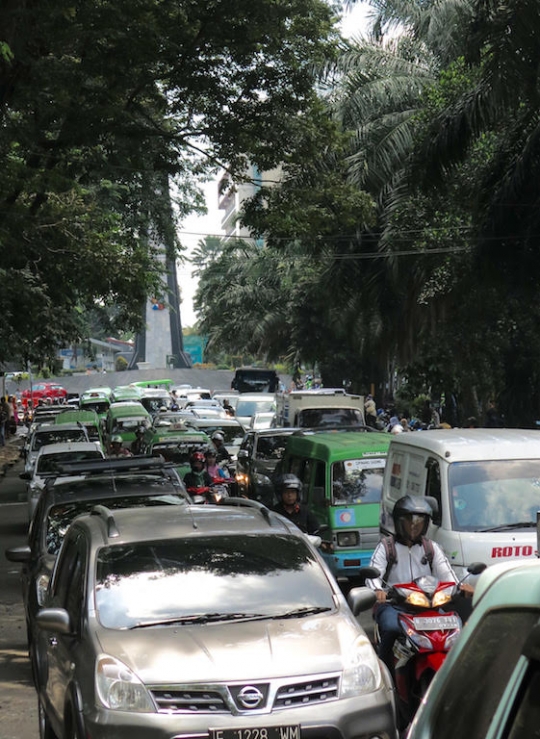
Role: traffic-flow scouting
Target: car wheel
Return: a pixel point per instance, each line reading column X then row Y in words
column 45, row 728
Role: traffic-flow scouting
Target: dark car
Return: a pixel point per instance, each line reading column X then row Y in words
column 259, row 454
column 217, row 622
column 123, row 483
column 255, row 380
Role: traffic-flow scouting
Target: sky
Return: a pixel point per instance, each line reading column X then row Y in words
column 196, row 228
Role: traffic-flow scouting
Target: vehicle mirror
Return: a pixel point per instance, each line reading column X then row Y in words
column 361, row 599
column 243, row 454
column 55, row 620
column 25, row 476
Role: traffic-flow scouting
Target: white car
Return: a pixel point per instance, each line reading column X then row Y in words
column 48, row 460
column 265, row 420
column 251, row 403
column 50, row 433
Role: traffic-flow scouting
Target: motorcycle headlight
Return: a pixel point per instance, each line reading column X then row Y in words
column 418, row 599
column 119, row 689
column 442, row 597
column 361, row 673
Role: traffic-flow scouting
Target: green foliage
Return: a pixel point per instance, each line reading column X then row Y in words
column 102, row 106
column 120, row 364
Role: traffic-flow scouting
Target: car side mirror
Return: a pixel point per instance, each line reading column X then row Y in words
column 242, row 454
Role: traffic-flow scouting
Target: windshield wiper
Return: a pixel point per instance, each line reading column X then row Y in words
column 300, row 612
column 510, row 526
column 200, row 618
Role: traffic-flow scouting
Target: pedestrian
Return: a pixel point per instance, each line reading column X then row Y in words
column 4, row 416
column 7, row 412
column 288, row 489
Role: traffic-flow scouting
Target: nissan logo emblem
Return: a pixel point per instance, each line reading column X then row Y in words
column 250, row 697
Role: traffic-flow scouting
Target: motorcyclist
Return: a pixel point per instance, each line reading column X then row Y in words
column 211, row 465
column 116, row 449
column 288, row 489
column 412, row 515
column 222, row 455
column 197, row 477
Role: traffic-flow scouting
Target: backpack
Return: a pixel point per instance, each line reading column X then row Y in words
column 391, row 553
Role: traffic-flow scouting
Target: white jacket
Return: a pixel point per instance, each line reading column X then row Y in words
column 409, row 565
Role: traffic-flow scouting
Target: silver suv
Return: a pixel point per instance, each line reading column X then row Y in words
column 215, row 622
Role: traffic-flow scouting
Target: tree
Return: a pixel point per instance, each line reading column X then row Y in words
column 101, row 105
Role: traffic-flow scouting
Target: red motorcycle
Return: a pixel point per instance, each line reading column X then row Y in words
column 427, row 635
column 211, row 494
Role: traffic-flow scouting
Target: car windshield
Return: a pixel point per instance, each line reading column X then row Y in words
column 129, row 423
column 271, row 447
column 315, row 417
column 250, row 407
column 99, row 406
column 58, row 435
column 494, row 494
column 49, row 462
column 60, row 516
column 140, row 583
column 357, row 481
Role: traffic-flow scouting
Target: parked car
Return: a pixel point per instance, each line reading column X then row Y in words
column 488, row 684
column 42, row 391
column 77, row 489
column 256, row 461
column 209, row 621
column 48, row 461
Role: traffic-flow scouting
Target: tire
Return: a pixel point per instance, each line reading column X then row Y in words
column 45, row 728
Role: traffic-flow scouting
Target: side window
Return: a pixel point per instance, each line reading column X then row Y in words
column 318, row 490
column 473, row 689
column 433, row 487
column 248, row 444
column 525, row 720
column 68, row 587
column 300, row 467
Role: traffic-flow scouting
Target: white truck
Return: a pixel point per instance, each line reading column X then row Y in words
column 321, row 407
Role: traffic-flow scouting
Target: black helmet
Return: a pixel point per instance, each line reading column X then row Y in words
column 411, row 505
column 288, row 482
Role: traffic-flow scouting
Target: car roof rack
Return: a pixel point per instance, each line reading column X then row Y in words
column 129, row 464
column 248, row 503
column 108, row 517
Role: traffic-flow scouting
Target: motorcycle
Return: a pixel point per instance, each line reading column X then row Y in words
column 211, row 494
column 427, row 634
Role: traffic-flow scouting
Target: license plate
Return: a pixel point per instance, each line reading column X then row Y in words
column 434, row 623
column 269, row 732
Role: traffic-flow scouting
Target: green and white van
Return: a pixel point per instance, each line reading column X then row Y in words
column 342, row 475
column 123, row 419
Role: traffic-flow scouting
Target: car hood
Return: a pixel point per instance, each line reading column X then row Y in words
column 241, row 651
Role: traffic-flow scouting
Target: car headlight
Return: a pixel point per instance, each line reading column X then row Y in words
column 347, row 539
column 119, row 689
column 361, row 673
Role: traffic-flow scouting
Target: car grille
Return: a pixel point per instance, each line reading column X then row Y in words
column 217, row 699
column 369, row 538
column 193, row 701
column 314, row 691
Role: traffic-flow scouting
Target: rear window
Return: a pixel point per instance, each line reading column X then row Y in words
column 255, row 381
